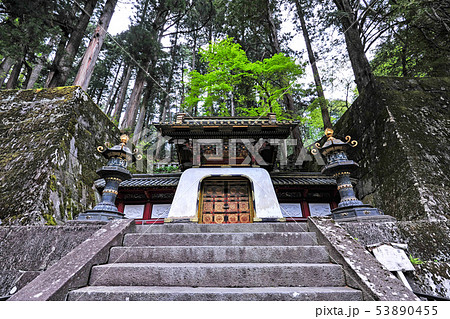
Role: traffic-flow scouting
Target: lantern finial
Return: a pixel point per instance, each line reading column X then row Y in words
column 329, row 133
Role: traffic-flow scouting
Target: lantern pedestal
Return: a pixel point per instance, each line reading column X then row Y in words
column 355, row 213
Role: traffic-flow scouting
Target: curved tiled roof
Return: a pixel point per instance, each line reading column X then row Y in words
column 147, row 180
column 302, row 180
column 139, row 182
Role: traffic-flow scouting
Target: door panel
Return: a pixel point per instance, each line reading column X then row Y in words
column 225, row 202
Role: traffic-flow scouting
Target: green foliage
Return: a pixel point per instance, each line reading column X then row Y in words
column 417, row 41
column 415, row 261
column 50, row 220
column 255, row 88
column 312, row 117
column 166, row 169
column 24, row 27
column 392, row 59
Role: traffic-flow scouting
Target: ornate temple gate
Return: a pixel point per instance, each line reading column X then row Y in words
column 225, row 201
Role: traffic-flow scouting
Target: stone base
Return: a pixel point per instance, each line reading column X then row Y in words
column 268, row 220
column 181, row 220
column 369, row 219
column 96, row 215
column 356, row 213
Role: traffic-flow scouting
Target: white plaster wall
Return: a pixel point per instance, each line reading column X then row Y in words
column 184, row 204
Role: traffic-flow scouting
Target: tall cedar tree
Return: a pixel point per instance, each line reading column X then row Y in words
column 68, row 48
column 90, row 56
column 312, row 60
column 348, row 15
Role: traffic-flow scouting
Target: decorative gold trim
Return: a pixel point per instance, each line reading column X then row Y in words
column 281, row 219
column 168, row 220
column 341, row 173
column 194, row 219
column 124, row 139
column 344, row 186
column 353, row 143
column 110, row 191
column 256, row 219
column 329, row 133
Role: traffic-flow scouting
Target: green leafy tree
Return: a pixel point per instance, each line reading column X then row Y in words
column 229, row 72
column 416, row 41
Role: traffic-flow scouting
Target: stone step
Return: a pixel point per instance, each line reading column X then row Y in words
column 142, row 293
column 217, row 275
column 222, row 239
column 219, row 254
column 221, row 228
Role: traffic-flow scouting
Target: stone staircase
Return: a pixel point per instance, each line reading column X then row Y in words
column 260, row 261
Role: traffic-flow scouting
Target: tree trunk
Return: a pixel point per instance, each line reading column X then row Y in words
column 161, row 13
column 14, row 76
column 28, row 70
column 91, row 55
column 111, row 92
column 360, row 64
column 312, row 60
column 273, row 31
column 140, row 122
column 133, row 103
column 173, row 51
column 287, row 97
column 232, row 103
column 110, row 105
column 99, row 97
column 63, row 65
column 122, row 93
column 58, row 54
column 36, row 72
column 5, row 66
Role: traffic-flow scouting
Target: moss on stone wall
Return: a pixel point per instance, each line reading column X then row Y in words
column 49, row 156
column 402, row 127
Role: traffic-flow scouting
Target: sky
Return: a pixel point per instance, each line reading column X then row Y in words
column 120, row 20
column 125, row 8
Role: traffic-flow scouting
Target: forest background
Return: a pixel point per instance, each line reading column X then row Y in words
column 221, row 57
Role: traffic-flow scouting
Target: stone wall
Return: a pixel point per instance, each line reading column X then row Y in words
column 27, row 251
column 403, row 130
column 427, row 243
column 49, row 158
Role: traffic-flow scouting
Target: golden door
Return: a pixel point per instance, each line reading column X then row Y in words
column 225, row 201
